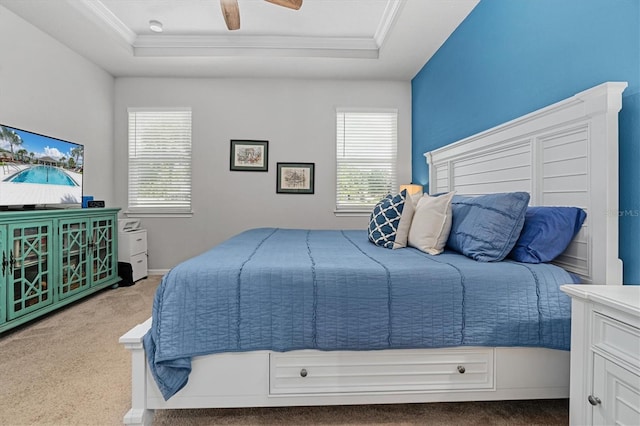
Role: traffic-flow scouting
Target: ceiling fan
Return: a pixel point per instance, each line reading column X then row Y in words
column 231, row 12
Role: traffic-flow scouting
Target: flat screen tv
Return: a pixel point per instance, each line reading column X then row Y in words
column 38, row 171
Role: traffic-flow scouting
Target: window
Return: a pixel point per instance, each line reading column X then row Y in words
column 159, row 161
column 366, row 158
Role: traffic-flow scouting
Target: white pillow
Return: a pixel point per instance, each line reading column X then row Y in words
column 405, row 224
column 415, row 198
column 431, row 223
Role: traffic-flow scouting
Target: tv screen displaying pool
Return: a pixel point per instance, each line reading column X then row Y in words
column 39, row 170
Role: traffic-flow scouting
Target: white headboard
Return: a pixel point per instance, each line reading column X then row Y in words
column 565, row 154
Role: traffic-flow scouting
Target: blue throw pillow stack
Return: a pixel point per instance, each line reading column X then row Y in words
column 486, row 228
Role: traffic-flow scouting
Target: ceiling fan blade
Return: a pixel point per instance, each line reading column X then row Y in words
column 231, row 13
column 291, row 4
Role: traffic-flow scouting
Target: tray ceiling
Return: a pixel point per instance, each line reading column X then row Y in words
column 370, row 39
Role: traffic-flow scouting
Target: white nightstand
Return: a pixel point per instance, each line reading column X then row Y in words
column 132, row 248
column 605, row 354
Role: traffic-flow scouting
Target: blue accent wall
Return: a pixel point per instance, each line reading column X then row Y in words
column 511, row 57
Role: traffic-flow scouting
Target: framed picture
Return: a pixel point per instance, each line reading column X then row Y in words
column 295, row 178
column 252, row 156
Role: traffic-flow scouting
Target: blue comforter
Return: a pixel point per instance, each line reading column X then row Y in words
column 285, row 289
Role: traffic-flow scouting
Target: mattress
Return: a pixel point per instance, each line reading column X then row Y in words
column 286, row 289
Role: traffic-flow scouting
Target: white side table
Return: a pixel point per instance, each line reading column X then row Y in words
column 605, row 354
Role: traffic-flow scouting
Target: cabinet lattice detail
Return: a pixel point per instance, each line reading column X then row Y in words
column 29, row 269
column 103, row 238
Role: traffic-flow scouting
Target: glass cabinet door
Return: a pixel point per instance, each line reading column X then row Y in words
column 29, row 268
column 74, row 257
column 103, row 244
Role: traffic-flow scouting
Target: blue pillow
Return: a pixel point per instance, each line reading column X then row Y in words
column 390, row 221
column 486, row 228
column 547, row 232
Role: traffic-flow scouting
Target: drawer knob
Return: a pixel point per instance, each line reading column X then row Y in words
column 594, row 400
column 303, row 372
column 461, row 369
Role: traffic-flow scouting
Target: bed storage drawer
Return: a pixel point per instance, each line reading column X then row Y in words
column 303, row 372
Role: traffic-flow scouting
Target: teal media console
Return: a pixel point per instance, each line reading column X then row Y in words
column 50, row 258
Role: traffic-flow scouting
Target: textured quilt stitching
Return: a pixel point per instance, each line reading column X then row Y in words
column 314, row 317
column 389, row 337
column 153, row 347
column 157, row 318
column 464, row 295
column 538, row 300
column 239, row 285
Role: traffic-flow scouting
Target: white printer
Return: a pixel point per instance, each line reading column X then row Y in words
column 128, row 225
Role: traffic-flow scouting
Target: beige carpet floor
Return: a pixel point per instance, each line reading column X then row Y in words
column 67, row 368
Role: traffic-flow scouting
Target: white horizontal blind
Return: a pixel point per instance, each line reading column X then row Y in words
column 366, row 157
column 159, row 160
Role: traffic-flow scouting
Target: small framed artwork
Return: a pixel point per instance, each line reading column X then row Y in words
column 295, row 178
column 252, row 156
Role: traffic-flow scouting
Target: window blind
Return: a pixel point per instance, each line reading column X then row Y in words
column 160, row 160
column 366, row 158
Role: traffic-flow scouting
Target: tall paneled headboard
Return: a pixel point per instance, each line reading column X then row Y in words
column 565, row 154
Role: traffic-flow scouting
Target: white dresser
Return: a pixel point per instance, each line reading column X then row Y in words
column 132, row 248
column 605, row 355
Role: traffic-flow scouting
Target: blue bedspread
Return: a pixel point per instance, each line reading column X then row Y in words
column 285, row 289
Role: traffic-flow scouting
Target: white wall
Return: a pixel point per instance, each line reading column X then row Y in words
column 297, row 117
column 46, row 88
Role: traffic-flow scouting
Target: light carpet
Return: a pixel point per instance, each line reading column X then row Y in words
column 67, row 368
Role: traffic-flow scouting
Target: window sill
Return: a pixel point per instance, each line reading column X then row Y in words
column 352, row 213
column 158, row 214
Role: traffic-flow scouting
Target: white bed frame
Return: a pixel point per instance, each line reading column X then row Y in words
column 564, row 154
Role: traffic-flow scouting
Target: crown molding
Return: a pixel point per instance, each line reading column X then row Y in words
column 239, row 45
column 163, row 45
column 386, row 23
column 100, row 14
